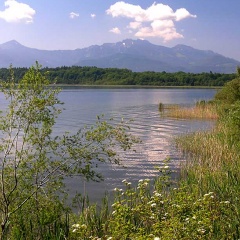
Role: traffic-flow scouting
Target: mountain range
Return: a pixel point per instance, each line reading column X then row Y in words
column 136, row 55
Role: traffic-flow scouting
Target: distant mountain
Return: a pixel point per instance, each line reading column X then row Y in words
column 137, row 55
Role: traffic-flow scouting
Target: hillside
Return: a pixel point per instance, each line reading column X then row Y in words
column 136, row 55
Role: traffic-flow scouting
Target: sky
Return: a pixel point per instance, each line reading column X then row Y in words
column 71, row 24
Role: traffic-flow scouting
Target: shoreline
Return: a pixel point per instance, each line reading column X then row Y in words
column 132, row 86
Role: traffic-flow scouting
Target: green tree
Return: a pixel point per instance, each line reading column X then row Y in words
column 33, row 162
column 230, row 93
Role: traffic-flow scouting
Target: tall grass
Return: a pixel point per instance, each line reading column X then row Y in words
column 201, row 110
column 169, row 211
column 213, row 165
column 203, row 204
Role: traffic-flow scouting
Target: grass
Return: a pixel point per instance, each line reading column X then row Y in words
column 204, row 204
column 165, row 212
column 199, row 111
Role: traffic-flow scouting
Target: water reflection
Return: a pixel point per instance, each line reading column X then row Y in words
column 156, row 132
column 83, row 105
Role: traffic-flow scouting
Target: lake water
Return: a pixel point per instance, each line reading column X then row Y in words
column 82, row 105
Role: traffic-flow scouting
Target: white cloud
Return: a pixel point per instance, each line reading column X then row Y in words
column 134, row 25
column 17, row 12
column 122, row 9
column 115, row 30
column 93, row 15
column 73, row 15
column 183, row 13
column 155, row 21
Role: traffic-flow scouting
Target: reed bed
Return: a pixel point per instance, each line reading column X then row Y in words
column 213, row 164
column 195, row 112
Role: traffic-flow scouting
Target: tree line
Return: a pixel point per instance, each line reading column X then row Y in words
column 115, row 76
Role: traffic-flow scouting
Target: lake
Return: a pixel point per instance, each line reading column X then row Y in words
column 82, row 105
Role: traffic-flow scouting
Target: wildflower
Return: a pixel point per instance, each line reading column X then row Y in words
column 156, row 238
column 75, row 225
column 158, row 194
column 128, row 184
column 84, row 226
column 145, row 184
column 115, row 189
column 201, row 231
column 153, row 205
column 109, row 238
column 166, row 167
column 124, row 180
column 140, row 181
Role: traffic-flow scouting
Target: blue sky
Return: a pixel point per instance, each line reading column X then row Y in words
column 70, row 24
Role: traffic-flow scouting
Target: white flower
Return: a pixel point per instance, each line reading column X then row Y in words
column 156, row 238
column 201, row 230
column 124, row 180
column 76, row 225
column 158, row 194
column 153, row 205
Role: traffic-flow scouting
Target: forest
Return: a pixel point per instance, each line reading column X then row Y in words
column 115, row 76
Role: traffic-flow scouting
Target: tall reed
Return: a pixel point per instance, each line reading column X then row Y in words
column 199, row 111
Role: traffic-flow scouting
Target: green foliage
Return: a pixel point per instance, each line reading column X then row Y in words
column 161, row 213
column 204, row 204
column 230, row 92
column 115, row 76
column 229, row 100
column 34, row 162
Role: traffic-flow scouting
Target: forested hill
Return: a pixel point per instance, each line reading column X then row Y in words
column 115, row 76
